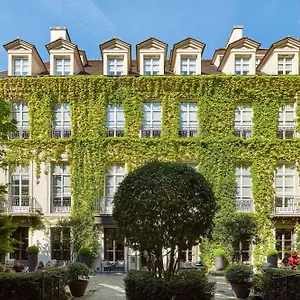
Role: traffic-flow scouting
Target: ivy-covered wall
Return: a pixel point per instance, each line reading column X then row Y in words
column 216, row 149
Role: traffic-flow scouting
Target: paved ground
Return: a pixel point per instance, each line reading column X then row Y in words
column 110, row 287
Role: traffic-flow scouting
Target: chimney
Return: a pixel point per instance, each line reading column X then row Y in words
column 58, row 32
column 236, row 34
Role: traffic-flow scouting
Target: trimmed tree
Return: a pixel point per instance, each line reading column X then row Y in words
column 161, row 207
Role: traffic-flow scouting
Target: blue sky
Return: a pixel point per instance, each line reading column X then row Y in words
column 91, row 22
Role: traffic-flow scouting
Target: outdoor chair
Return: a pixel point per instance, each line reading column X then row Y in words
column 120, row 266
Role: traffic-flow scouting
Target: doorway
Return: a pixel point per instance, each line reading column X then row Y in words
column 113, row 245
column 21, row 235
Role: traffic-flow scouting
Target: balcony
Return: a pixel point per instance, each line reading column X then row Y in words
column 243, row 131
column 61, row 205
column 188, row 132
column 244, row 205
column 20, row 133
column 151, row 132
column 114, row 132
column 284, row 132
column 20, row 205
column 61, row 132
column 104, row 207
column 286, row 206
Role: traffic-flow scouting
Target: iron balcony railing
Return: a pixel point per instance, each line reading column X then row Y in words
column 243, row 131
column 151, row 132
column 60, row 132
column 115, row 132
column 188, row 132
column 288, row 205
column 20, row 205
column 286, row 132
column 21, row 132
column 105, row 205
column 61, row 205
column 244, row 205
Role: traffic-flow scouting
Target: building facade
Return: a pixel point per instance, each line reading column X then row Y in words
column 78, row 133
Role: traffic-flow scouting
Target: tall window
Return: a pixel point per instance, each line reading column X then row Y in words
column 188, row 120
column 285, row 64
column 62, row 66
column 285, row 242
column 243, row 197
column 285, row 189
column 20, row 67
column 151, row 126
column 286, row 122
column 114, row 177
column 243, row 121
column 60, row 243
column 20, row 189
column 242, row 250
column 20, row 114
column 115, row 66
column 61, row 188
column 188, row 66
column 115, row 120
column 21, row 234
column 242, row 65
column 62, row 121
column 151, row 66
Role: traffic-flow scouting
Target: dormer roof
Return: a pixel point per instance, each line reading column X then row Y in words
column 243, row 42
column 285, row 42
column 150, row 43
column 83, row 57
column 21, row 44
column 115, row 43
column 189, row 44
column 217, row 52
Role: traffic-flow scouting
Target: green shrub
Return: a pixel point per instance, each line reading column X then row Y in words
column 77, row 270
column 272, row 252
column 33, row 249
column 238, row 273
column 216, row 273
column 186, row 285
column 220, row 252
column 84, row 251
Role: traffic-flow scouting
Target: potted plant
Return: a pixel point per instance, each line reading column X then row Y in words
column 239, row 276
column 220, row 259
column 32, row 253
column 78, row 275
column 84, row 255
column 272, row 257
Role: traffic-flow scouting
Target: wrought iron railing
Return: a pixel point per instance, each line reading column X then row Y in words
column 188, row 132
column 243, row 131
column 60, row 132
column 21, row 132
column 20, row 205
column 285, row 287
column 61, row 205
column 284, row 132
column 288, row 205
column 244, row 205
column 115, row 131
column 104, row 205
column 151, row 132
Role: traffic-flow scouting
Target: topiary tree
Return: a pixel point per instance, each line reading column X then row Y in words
column 160, row 206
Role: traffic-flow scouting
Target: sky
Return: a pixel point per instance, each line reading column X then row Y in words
column 92, row 22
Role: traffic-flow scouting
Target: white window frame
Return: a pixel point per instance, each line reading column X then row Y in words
column 287, row 128
column 149, row 128
column 63, row 128
column 282, row 63
column 20, row 113
column 191, row 63
column 243, row 127
column 65, row 64
column 244, row 202
column 20, row 201
column 244, row 65
column 23, row 65
column 115, row 64
column 115, row 127
column 152, row 64
column 186, row 129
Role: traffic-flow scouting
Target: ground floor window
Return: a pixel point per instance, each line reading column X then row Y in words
column 21, row 235
column 242, row 251
column 284, row 241
column 60, row 243
column 187, row 254
column 113, row 245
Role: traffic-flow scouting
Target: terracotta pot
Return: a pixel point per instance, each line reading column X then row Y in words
column 241, row 290
column 78, row 287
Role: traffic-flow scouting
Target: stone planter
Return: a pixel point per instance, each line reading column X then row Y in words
column 78, row 287
column 84, row 259
column 241, row 290
column 272, row 260
column 32, row 261
column 219, row 263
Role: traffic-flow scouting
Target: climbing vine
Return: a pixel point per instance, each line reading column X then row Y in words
column 217, row 150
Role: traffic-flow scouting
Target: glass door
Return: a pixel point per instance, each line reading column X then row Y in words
column 113, row 245
column 21, row 235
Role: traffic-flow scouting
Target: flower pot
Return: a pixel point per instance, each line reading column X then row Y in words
column 241, row 290
column 84, row 259
column 272, row 260
column 32, row 261
column 78, row 287
column 219, row 263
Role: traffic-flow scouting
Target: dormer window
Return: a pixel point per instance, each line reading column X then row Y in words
column 115, row 66
column 285, row 65
column 20, row 66
column 188, row 66
column 151, row 66
column 62, row 66
column 242, row 65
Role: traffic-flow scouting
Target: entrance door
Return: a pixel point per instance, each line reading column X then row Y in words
column 113, row 245
column 21, row 235
column 284, row 242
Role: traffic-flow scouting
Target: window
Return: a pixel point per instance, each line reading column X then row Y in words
column 60, row 243
column 243, row 121
column 20, row 114
column 242, row 251
column 243, row 197
column 62, row 121
column 285, row 64
column 61, row 188
column 285, row 189
column 188, row 120
column 21, row 234
column 187, row 254
column 62, row 66
column 188, row 66
column 115, row 176
column 20, row 189
column 151, row 126
column 286, row 123
column 242, row 65
column 115, row 120
column 151, row 66
column 285, row 240
column 20, row 67
column 113, row 245
column 115, row 66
